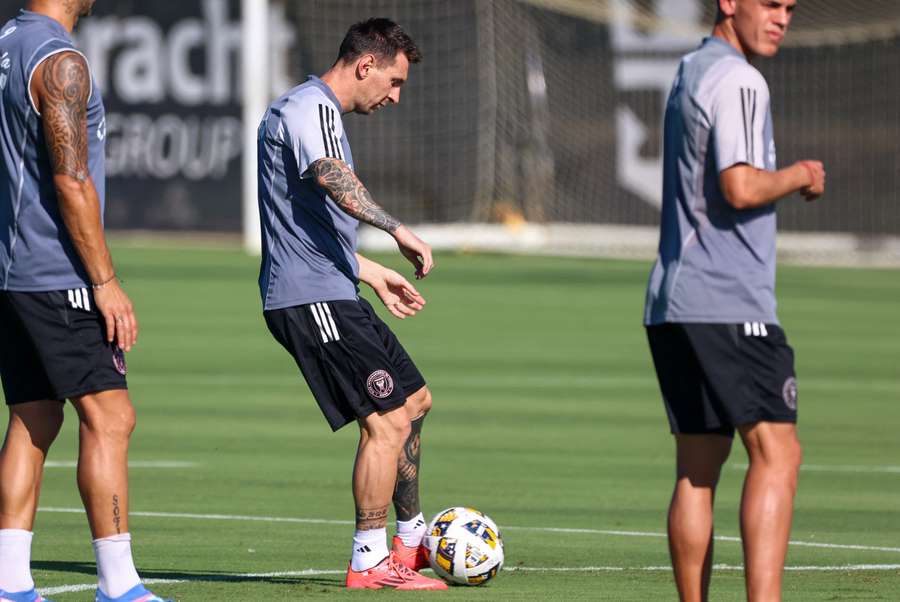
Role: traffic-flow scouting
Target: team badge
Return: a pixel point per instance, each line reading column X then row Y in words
column 380, row 384
column 118, row 358
column 789, row 393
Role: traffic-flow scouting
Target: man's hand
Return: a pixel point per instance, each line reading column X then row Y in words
column 816, row 186
column 115, row 307
column 415, row 250
column 398, row 295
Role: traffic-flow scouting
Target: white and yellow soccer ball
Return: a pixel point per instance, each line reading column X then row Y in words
column 464, row 546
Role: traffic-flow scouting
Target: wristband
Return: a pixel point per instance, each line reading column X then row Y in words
column 100, row 285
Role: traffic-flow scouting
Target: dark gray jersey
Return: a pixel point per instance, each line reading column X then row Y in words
column 308, row 243
column 36, row 253
column 716, row 263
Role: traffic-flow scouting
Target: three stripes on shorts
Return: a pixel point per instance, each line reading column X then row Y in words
column 79, row 299
column 327, row 328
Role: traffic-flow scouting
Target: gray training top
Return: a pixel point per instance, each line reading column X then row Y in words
column 716, row 264
column 308, row 243
column 36, row 253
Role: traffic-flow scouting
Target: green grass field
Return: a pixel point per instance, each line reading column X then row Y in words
column 547, row 415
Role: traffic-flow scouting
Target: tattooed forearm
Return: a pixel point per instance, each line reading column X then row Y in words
column 64, row 90
column 406, row 492
column 351, row 196
column 371, row 518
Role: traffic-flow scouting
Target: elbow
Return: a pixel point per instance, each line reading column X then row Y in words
column 69, row 188
column 737, row 196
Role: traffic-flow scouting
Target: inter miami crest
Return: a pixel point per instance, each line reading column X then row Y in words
column 789, row 393
column 380, row 384
column 118, row 357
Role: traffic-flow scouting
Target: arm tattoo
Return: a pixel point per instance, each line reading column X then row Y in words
column 406, row 491
column 371, row 518
column 351, row 196
column 66, row 89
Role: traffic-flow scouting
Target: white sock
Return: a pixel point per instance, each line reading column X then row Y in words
column 15, row 560
column 115, row 567
column 369, row 548
column 411, row 532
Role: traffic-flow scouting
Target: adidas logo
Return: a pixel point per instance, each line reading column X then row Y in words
column 419, row 523
column 364, row 549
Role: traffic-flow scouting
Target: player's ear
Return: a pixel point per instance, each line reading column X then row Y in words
column 727, row 8
column 364, row 65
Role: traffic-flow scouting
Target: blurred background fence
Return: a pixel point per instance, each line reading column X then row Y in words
column 523, row 111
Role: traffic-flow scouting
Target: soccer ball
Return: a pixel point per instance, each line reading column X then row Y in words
column 464, row 546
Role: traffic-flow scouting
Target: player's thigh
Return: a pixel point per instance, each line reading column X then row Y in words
column 66, row 349
column 699, row 458
column 692, row 406
column 108, row 412
column 34, row 423
column 774, row 443
column 390, row 426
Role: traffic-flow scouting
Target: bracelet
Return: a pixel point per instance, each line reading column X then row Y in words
column 97, row 287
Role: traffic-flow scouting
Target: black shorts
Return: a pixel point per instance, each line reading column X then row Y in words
column 353, row 363
column 53, row 346
column 715, row 377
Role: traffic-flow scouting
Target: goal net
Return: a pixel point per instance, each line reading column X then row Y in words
column 547, row 112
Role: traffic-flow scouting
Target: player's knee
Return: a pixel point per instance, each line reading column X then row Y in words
column 402, row 432
column 109, row 421
column 419, row 403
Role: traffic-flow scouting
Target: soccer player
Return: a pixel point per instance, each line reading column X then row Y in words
column 722, row 360
column 311, row 203
column 64, row 319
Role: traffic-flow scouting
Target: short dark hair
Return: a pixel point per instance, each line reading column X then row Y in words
column 380, row 37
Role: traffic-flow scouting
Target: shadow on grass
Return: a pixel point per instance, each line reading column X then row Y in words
column 89, row 568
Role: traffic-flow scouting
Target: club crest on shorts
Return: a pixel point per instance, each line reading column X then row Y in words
column 789, row 393
column 380, row 384
column 118, row 358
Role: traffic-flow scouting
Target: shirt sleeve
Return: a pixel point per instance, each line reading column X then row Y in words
column 313, row 130
column 740, row 106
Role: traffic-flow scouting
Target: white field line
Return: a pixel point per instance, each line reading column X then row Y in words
column 80, row 587
column 323, row 521
column 131, row 464
column 718, row 567
column 836, row 468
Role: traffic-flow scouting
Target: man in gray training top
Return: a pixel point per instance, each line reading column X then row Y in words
column 722, row 360
column 311, row 203
column 64, row 319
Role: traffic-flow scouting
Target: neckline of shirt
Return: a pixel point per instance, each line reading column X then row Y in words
column 723, row 43
column 326, row 89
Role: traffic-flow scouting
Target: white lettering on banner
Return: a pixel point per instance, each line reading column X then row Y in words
column 640, row 175
column 151, row 66
column 194, row 147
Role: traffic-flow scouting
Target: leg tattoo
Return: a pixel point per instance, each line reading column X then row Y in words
column 117, row 514
column 406, row 492
column 371, row 518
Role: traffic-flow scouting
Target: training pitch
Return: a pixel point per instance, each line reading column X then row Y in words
column 547, row 417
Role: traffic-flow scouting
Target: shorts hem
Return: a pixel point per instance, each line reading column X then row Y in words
column 754, row 419
column 69, row 394
column 369, row 411
column 18, row 402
